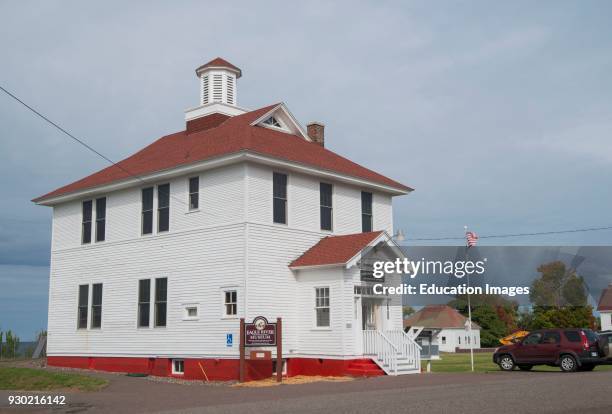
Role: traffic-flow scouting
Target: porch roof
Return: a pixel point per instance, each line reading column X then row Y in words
column 335, row 250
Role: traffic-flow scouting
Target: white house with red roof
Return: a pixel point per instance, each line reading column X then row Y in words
column 155, row 259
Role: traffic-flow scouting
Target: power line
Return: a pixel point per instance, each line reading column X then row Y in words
column 498, row 236
column 83, row 143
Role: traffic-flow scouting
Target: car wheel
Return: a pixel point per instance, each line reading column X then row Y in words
column 506, row 363
column 587, row 367
column 525, row 367
column 567, row 363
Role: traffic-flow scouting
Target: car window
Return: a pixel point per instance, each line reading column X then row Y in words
column 610, row 339
column 591, row 336
column 551, row 338
column 572, row 336
column 533, row 338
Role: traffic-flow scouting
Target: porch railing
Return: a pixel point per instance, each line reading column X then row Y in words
column 408, row 349
column 377, row 344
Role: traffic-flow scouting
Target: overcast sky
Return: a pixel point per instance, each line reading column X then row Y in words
column 497, row 113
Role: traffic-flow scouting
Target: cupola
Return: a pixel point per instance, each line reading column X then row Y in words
column 218, row 82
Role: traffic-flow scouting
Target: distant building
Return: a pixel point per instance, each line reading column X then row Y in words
column 604, row 307
column 440, row 327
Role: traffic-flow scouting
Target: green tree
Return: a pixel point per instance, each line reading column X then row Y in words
column 407, row 311
column 560, row 300
column 492, row 327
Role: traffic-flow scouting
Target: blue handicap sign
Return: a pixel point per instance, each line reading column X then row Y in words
column 229, row 339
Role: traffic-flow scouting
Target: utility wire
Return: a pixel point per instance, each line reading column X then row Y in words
column 99, row 154
column 83, row 143
column 498, row 236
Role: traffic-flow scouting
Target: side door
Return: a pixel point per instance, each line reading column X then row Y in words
column 526, row 351
column 548, row 349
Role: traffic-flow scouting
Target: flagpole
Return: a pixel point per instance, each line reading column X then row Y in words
column 470, row 340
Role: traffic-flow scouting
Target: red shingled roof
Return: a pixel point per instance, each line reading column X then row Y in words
column 605, row 300
column 438, row 316
column 219, row 62
column 233, row 135
column 335, row 249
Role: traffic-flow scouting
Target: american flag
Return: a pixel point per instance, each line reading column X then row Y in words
column 471, row 237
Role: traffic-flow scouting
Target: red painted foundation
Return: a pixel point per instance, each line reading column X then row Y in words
column 219, row 369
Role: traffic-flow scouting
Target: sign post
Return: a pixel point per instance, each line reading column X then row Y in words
column 279, row 350
column 241, row 349
column 261, row 333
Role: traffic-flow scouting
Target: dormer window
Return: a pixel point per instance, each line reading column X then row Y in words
column 272, row 121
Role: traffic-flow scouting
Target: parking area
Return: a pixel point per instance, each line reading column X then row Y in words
column 500, row 392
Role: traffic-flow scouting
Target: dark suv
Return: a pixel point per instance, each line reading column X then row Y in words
column 570, row 349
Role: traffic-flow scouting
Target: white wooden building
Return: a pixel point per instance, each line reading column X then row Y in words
column 604, row 307
column 244, row 213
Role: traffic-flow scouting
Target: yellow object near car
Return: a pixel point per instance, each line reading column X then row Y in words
column 514, row 337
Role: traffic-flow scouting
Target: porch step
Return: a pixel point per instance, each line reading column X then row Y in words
column 364, row 368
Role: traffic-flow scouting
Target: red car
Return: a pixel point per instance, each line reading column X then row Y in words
column 569, row 349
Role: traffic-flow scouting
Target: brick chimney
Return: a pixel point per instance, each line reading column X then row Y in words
column 316, row 132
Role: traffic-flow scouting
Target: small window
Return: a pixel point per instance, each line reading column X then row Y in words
column 178, row 366
column 326, row 206
column 572, row 336
column 273, row 122
column 366, row 212
column 388, row 310
column 161, row 297
column 190, row 312
column 459, row 339
column 96, row 305
column 194, row 193
column 163, row 208
column 147, row 210
column 280, row 198
column 551, row 338
column 86, row 228
column 443, row 340
column 322, row 307
column 100, row 219
column 533, row 339
column 82, row 311
column 144, row 302
column 230, row 303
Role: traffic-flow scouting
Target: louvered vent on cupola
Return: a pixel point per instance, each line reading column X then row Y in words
column 218, row 82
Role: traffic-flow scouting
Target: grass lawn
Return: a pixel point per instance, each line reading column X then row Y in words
column 30, row 379
column 483, row 362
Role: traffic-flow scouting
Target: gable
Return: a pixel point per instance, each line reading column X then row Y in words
column 280, row 119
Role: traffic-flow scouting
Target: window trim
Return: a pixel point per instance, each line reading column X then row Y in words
column 138, row 303
column 224, row 314
column 143, row 211
column 330, row 207
column 92, row 305
column 286, row 199
column 370, row 214
column 156, row 302
column 175, row 372
column 190, row 193
column 191, row 305
column 89, row 223
column 158, row 209
column 317, row 307
column 103, row 219
column 84, row 306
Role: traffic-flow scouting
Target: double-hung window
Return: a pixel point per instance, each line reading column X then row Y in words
column 82, row 311
column 161, row 298
column 163, row 207
column 147, row 210
column 280, row 198
column 100, row 219
column 144, row 302
column 366, row 212
column 322, row 307
column 96, row 305
column 326, row 205
column 86, row 227
column 230, row 303
column 194, row 193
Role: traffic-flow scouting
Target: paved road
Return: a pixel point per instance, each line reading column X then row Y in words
column 515, row 392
